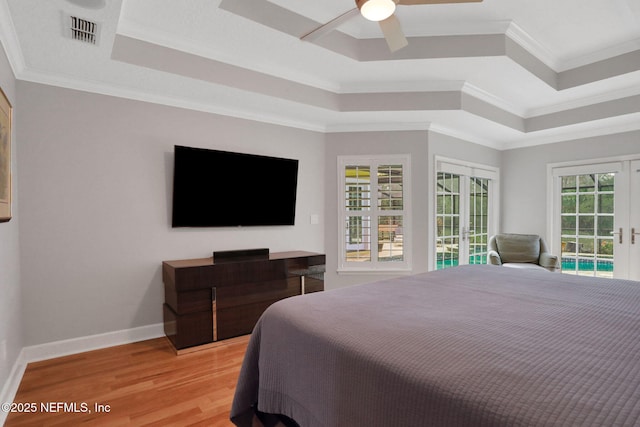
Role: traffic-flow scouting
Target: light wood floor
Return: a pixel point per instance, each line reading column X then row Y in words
column 143, row 384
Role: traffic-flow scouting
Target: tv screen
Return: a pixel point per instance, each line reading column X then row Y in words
column 214, row 188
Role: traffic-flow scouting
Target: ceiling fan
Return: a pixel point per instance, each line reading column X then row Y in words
column 381, row 11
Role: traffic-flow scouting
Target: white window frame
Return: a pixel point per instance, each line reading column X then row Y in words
column 375, row 266
column 555, row 172
column 471, row 169
column 617, row 165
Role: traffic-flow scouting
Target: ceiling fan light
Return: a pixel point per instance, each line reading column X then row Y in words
column 377, row 10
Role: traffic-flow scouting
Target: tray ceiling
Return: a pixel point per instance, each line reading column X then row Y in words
column 503, row 73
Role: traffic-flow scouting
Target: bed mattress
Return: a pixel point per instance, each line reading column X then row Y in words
column 467, row 346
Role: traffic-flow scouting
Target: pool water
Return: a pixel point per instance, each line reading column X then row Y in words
column 568, row 264
column 586, row 265
column 446, row 263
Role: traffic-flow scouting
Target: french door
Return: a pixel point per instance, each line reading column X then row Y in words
column 465, row 215
column 596, row 218
column 634, row 220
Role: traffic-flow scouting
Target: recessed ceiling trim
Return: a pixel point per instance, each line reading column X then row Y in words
column 9, row 39
column 601, row 70
column 516, row 33
column 448, row 28
column 490, row 112
column 139, row 31
column 198, row 93
column 403, row 86
column 378, row 127
column 161, row 58
column 615, row 126
column 464, row 136
column 108, row 89
column 610, row 95
column 329, row 26
column 588, row 113
column 528, row 54
column 597, row 56
column 399, row 101
column 489, row 98
column 623, row 124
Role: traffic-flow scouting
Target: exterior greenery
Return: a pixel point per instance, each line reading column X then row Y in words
column 448, row 220
column 587, row 223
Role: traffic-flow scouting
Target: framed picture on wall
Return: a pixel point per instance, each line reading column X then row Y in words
column 5, row 158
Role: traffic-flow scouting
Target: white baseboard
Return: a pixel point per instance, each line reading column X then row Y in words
column 50, row 350
column 10, row 387
column 36, row 353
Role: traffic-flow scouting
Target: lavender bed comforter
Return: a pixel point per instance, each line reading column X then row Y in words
column 468, row 346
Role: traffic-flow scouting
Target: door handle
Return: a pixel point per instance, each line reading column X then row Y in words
column 619, row 233
column 465, row 233
column 633, row 236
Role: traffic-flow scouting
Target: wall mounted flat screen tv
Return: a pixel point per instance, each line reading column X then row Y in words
column 214, row 188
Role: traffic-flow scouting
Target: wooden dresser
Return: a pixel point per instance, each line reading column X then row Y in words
column 206, row 300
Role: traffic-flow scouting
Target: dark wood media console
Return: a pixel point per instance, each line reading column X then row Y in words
column 207, row 301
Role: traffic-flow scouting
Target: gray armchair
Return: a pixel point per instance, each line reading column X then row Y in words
column 521, row 251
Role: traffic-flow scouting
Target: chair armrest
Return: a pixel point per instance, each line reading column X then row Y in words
column 548, row 261
column 494, row 258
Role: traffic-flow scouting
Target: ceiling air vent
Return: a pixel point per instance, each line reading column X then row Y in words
column 83, row 30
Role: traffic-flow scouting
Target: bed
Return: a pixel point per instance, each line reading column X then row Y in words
column 467, row 346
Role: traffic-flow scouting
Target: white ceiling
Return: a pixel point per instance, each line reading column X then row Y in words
column 503, row 73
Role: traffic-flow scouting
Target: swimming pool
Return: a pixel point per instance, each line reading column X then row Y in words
column 568, row 264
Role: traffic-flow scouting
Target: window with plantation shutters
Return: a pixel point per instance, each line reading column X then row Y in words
column 374, row 213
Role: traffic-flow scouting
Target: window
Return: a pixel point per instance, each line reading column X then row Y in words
column 465, row 212
column 374, row 210
column 587, row 218
column 447, row 220
column 594, row 216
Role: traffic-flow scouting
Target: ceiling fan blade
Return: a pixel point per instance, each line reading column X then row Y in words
column 393, row 33
column 412, row 2
column 330, row 26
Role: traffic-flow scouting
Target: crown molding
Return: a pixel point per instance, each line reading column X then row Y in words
column 10, row 41
column 402, row 86
column 559, row 64
column 599, row 55
column 607, row 96
column 464, row 136
column 377, row 127
column 457, row 28
column 110, row 89
column 491, row 99
column 555, row 133
column 516, row 33
column 542, row 64
column 622, row 124
column 616, row 125
column 153, row 35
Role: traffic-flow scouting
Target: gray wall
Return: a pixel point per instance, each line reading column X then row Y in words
column 95, row 183
column 357, row 143
column 448, row 146
column 524, row 176
column 10, row 293
column 423, row 146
